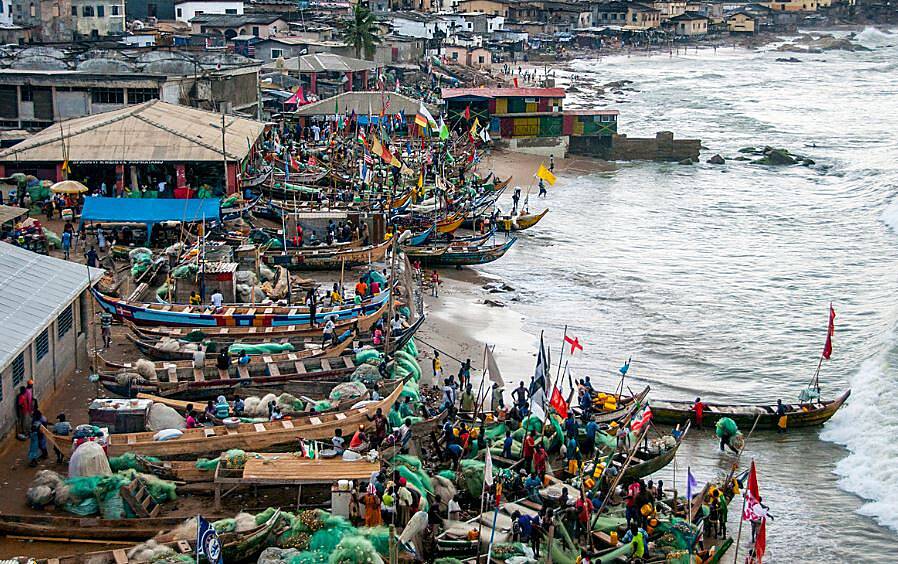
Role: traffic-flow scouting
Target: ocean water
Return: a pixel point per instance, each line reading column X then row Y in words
column 717, row 280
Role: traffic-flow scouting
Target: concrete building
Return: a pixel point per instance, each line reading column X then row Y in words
column 45, row 310
column 35, row 99
column 229, row 26
column 144, row 9
column 670, row 8
column 188, row 9
column 65, row 20
column 740, row 22
column 421, row 26
column 93, row 18
column 689, row 25
column 792, row 6
column 326, row 74
column 286, row 47
column 476, row 57
column 5, row 13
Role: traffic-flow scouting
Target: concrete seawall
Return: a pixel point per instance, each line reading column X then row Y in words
column 663, row 147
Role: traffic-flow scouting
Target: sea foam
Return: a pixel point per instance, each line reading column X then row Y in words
column 873, row 37
column 890, row 215
column 867, row 426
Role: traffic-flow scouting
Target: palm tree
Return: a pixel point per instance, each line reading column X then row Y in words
column 362, row 32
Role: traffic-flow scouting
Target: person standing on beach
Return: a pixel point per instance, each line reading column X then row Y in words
column 435, row 284
column 106, row 328
column 551, row 163
column 437, row 366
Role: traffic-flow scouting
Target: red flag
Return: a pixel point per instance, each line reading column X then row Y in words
column 761, row 542
column 574, row 343
column 753, row 482
column 516, row 82
column 641, row 421
column 557, row 402
column 468, row 112
column 828, row 346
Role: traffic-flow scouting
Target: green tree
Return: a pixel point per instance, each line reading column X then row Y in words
column 361, row 32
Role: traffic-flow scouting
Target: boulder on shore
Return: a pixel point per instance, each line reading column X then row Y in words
column 686, row 161
column 717, row 160
column 776, row 157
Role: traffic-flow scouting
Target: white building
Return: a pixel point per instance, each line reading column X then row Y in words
column 44, row 314
column 187, row 10
column 5, row 13
column 419, row 26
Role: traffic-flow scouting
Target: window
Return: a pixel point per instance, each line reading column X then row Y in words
column 32, row 10
column 82, row 314
column 231, row 11
column 179, row 12
column 141, row 95
column 42, row 345
column 27, row 94
column 256, row 30
column 75, row 11
column 108, row 96
column 480, row 59
column 18, row 369
column 115, row 9
column 152, row 10
column 101, row 11
column 87, row 11
column 64, row 322
column 275, row 53
column 55, row 10
column 455, row 55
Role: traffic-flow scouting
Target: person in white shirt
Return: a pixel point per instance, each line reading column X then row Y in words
column 199, row 357
column 161, row 187
column 328, row 332
column 217, row 299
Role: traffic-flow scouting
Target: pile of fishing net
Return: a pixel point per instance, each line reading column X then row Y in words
column 470, row 477
column 90, row 495
column 367, row 374
column 238, row 524
column 153, row 551
column 128, row 461
column 185, row 271
column 255, row 406
column 416, row 477
column 405, row 365
column 347, row 390
column 368, row 356
column 141, row 258
column 250, row 294
column 240, row 349
column 231, row 459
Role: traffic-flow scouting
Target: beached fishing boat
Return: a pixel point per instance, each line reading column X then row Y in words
column 363, row 323
column 173, row 381
column 509, row 223
column 70, row 527
column 237, row 211
column 245, row 436
column 165, row 357
column 310, row 258
column 256, row 179
column 798, row 415
column 230, row 315
column 451, row 255
column 235, row 546
column 646, row 463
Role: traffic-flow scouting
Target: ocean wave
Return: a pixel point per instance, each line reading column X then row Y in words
column 866, row 426
column 890, row 215
column 873, row 37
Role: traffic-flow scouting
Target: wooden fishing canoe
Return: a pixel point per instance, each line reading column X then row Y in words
column 645, row 464
column 799, row 415
column 312, row 259
column 254, row 334
column 458, row 256
column 230, row 315
column 170, row 379
column 69, row 527
column 153, row 351
column 246, row 436
column 451, row 223
column 508, row 223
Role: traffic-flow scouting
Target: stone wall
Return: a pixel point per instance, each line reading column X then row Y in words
column 542, row 146
column 663, row 147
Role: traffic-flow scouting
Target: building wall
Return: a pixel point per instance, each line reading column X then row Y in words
column 52, row 17
column 692, row 27
column 65, row 353
column 484, row 6
column 98, row 17
column 144, row 9
column 662, row 147
column 5, row 12
column 795, row 6
column 740, row 23
column 185, row 11
column 257, row 29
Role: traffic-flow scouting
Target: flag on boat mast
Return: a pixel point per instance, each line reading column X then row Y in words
column 831, row 330
column 539, row 385
column 492, row 368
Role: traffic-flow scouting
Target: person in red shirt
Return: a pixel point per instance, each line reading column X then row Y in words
column 632, row 495
column 540, row 460
column 699, row 408
column 358, row 439
column 582, row 506
column 529, row 446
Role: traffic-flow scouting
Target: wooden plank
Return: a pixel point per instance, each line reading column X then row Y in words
column 260, row 428
column 268, row 311
column 266, row 359
column 198, row 375
column 229, row 312
column 251, row 311
column 242, row 371
column 325, row 364
column 300, row 367
column 224, row 374
column 340, row 416
column 273, row 370
column 287, row 424
column 291, row 356
column 120, row 556
column 314, row 421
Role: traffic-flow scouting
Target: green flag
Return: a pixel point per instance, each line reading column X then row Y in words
column 444, row 130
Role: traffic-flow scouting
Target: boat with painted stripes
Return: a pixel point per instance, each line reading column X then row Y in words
column 173, row 380
column 231, row 315
column 310, row 258
column 250, row 437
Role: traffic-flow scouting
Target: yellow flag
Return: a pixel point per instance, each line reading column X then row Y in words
column 546, row 175
column 421, row 179
column 474, row 127
column 65, row 166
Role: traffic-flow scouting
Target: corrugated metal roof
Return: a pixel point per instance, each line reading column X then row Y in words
column 152, row 131
column 11, row 212
column 363, row 102
column 503, row 92
column 36, row 288
column 322, row 62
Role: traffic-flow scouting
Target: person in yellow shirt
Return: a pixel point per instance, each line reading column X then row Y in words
column 437, row 366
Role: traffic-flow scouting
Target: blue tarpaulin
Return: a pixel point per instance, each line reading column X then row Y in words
column 149, row 211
